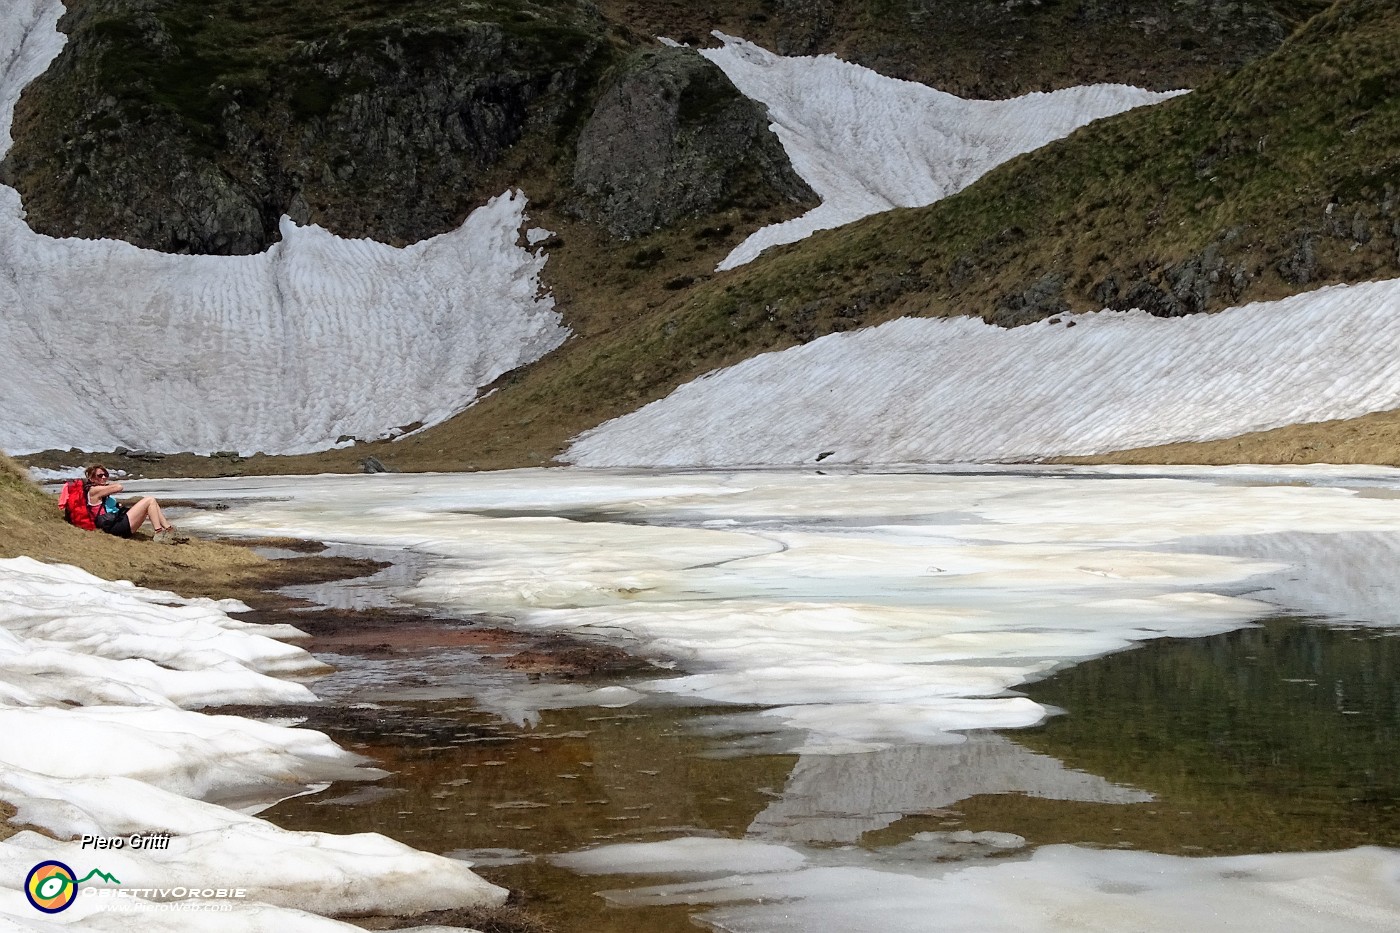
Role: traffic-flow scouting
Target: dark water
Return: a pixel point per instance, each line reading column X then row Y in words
column 1276, row 738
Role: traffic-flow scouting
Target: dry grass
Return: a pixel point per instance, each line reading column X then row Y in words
column 1373, row 439
column 7, row 827
column 31, row 526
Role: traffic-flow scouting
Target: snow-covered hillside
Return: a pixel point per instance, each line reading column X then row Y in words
column 921, row 390
column 867, row 143
column 317, row 338
column 320, row 339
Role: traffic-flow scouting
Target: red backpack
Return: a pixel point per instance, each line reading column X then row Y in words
column 73, row 503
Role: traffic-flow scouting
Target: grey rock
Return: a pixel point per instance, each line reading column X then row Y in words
column 383, row 129
column 1299, row 267
column 1042, row 298
column 670, row 136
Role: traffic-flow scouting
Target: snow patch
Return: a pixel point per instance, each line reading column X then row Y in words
column 867, row 143
column 316, row 339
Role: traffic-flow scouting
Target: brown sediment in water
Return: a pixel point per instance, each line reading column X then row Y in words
column 407, row 633
column 505, row 919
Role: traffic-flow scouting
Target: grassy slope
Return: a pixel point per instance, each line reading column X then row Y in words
column 994, row 48
column 1136, row 197
column 1284, row 175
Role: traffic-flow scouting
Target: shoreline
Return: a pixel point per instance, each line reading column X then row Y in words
column 28, row 826
column 1369, row 440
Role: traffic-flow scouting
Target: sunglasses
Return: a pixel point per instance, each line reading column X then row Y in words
column 99, row 476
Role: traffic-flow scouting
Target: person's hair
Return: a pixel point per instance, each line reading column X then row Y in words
column 91, row 471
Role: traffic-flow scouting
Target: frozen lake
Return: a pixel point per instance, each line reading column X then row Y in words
column 851, row 666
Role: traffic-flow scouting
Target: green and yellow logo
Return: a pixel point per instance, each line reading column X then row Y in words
column 52, row 886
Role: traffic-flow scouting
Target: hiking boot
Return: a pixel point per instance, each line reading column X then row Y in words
column 171, row 536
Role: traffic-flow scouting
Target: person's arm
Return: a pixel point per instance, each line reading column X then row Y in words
column 103, row 491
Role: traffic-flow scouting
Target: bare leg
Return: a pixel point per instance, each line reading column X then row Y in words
column 144, row 509
column 158, row 520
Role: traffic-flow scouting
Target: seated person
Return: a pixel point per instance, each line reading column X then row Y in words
column 123, row 520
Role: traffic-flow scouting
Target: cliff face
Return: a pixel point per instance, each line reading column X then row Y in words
column 193, row 127
column 671, row 136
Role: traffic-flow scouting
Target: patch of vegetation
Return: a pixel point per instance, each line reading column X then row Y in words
column 996, row 49
column 1240, row 170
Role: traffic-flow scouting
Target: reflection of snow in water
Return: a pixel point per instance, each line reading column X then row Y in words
column 837, row 798
column 882, row 616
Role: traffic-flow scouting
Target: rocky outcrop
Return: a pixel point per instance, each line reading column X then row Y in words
column 671, row 136
column 193, row 130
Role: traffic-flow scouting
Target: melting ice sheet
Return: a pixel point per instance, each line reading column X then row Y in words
column 98, row 681
column 873, row 620
column 857, row 612
column 867, row 143
column 284, row 352
column 1057, row 890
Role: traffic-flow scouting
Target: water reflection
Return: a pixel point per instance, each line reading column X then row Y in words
column 1274, row 738
column 839, row 798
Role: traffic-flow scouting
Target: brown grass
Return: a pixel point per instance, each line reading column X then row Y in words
column 1373, row 439
column 7, row 815
column 31, row 526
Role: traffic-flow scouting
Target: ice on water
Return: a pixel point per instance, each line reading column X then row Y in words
column 859, row 611
column 1057, row 889
column 873, row 620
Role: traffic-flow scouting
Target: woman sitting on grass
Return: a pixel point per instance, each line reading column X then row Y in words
column 122, row 521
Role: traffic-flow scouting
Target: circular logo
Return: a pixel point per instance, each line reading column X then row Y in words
column 51, row 887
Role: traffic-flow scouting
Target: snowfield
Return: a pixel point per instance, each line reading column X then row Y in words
column 943, row 390
column 96, row 684
column 867, row 143
column 317, row 339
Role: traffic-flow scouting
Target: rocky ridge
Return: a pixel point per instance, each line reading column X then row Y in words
column 386, row 121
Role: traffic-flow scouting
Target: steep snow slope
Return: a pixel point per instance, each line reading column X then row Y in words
column 867, row 143
column 287, row 351
column 959, row 389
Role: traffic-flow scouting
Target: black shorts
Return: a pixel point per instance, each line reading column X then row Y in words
column 119, row 526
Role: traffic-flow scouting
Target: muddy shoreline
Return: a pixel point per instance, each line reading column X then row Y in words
column 406, row 634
